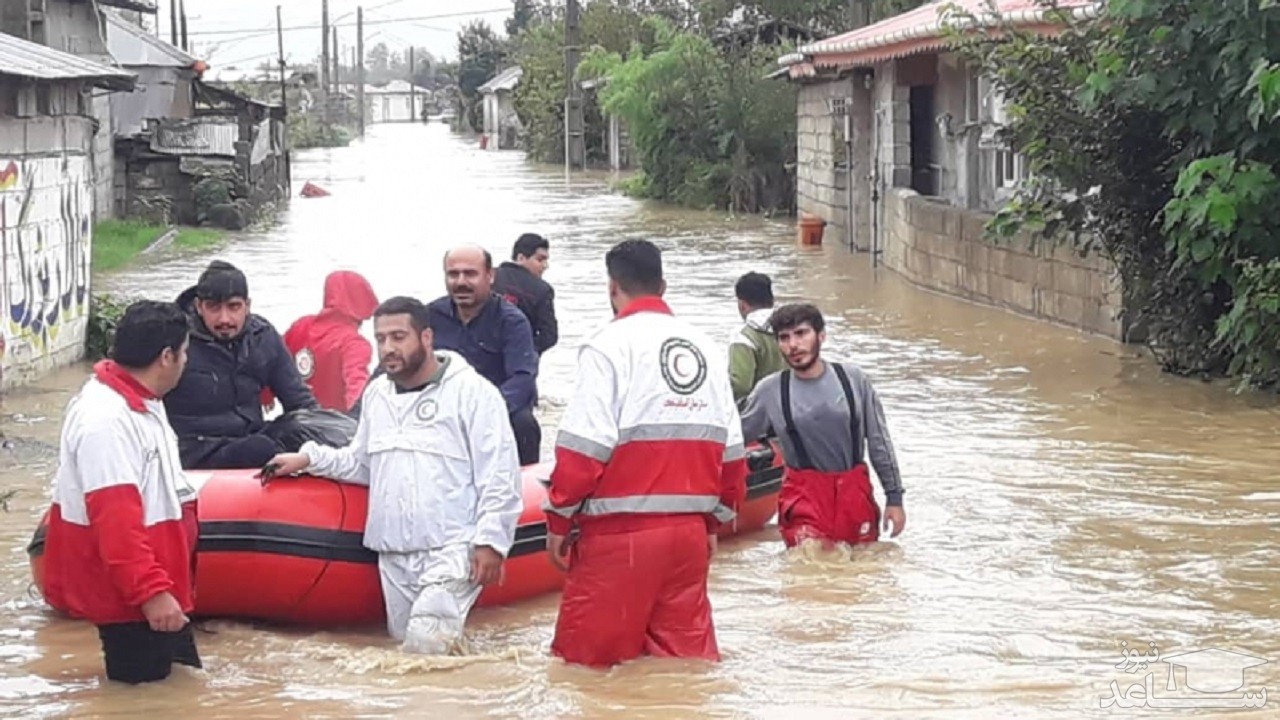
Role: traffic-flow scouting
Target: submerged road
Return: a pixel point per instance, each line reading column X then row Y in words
column 1063, row 497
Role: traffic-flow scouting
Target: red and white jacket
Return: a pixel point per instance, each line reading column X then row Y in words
column 651, row 431
column 123, row 526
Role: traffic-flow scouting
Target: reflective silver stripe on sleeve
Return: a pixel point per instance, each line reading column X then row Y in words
column 583, row 446
column 674, row 431
column 566, row 512
column 657, row 504
column 734, row 452
column 724, row 513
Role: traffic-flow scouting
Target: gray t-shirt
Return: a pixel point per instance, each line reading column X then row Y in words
column 822, row 419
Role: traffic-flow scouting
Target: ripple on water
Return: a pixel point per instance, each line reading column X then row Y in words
column 1062, row 496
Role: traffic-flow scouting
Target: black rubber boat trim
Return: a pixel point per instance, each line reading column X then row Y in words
column 346, row 546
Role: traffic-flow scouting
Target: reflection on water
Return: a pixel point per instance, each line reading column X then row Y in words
column 1062, row 496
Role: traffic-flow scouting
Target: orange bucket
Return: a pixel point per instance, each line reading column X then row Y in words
column 811, row 228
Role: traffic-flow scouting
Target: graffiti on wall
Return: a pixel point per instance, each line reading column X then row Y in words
column 45, row 227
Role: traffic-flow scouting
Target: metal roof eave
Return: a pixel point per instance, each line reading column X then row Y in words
column 938, row 27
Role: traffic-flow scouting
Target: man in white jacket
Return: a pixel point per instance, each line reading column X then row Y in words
column 439, row 457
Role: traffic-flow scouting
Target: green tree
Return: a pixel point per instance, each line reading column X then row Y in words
column 522, row 15
column 1156, row 134
column 710, row 129
column 481, row 54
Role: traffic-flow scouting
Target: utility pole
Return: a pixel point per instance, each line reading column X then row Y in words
column 173, row 23
column 360, row 67
column 859, row 13
column 337, row 62
column 574, row 124
column 324, row 57
column 284, row 100
column 183, row 12
column 413, row 90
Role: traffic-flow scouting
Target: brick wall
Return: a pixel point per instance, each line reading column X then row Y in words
column 943, row 248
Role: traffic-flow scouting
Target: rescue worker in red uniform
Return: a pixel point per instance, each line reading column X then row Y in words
column 328, row 349
column 120, row 548
column 649, row 463
column 827, row 417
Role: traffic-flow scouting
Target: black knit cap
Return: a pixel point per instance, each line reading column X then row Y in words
column 222, row 281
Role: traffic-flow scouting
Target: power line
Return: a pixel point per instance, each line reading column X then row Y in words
column 367, row 22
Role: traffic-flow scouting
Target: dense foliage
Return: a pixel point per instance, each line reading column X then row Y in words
column 481, row 55
column 688, row 79
column 1155, row 134
column 710, row 128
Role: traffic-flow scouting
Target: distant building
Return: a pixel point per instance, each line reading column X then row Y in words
column 47, row 185
column 174, row 131
column 397, row 101
column 501, row 123
column 76, row 27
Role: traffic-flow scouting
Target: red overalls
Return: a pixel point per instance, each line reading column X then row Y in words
column 831, row 507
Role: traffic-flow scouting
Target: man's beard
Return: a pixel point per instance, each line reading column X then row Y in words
column 412, row 365
column 811, row 359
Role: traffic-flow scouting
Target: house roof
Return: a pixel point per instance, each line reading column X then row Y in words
column 505, row 80
column 146, row 6
column 132, row 46
column 924, row 29
column 21, row 58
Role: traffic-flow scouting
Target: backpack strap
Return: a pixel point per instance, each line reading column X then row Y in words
column 854, row 426
column 802, row 454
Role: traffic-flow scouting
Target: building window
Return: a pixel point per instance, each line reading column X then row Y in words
column 1010, row 167
column 839, row 132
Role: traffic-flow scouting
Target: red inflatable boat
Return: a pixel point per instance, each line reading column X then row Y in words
column 292, row 551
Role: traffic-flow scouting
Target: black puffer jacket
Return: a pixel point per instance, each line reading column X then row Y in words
column 220, row 394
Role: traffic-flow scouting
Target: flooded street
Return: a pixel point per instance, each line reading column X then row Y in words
column 1062, row 495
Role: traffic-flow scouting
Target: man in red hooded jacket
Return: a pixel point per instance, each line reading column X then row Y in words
column 331, row 354
column 120, row 548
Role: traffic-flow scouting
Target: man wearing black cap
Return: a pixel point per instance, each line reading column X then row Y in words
column 216, row 409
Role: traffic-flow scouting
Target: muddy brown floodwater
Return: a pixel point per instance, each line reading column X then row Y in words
column 1063, row 496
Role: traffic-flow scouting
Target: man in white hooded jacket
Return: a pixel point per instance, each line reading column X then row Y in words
column 439, row 457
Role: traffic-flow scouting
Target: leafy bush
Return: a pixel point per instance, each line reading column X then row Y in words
column 1156, row 135
column 709, row 128
column 104, row 315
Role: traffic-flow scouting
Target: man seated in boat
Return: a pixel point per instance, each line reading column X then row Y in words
column 494, row 337
column 330, row 353
column 216, row 410
column 445, row 494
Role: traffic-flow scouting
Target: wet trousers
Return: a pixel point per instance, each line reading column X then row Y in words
column 428, row 596
column 250, row 451
column 828, row 507
column 637, row 593
column 134, row 653
column 528, row 436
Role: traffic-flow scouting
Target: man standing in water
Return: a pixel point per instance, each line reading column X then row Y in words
column 753, row 352
column 434, row 446
column 649, row 463
column 824, row 414
column 121, row 543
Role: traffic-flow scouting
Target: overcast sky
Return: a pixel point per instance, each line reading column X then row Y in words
column 437, row 35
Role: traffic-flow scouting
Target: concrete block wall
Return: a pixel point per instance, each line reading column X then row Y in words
column 821, row 190
column 46, row 213
column 943, row 248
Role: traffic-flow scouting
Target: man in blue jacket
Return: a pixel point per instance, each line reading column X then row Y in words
column 493, row 336
column 216, row 410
